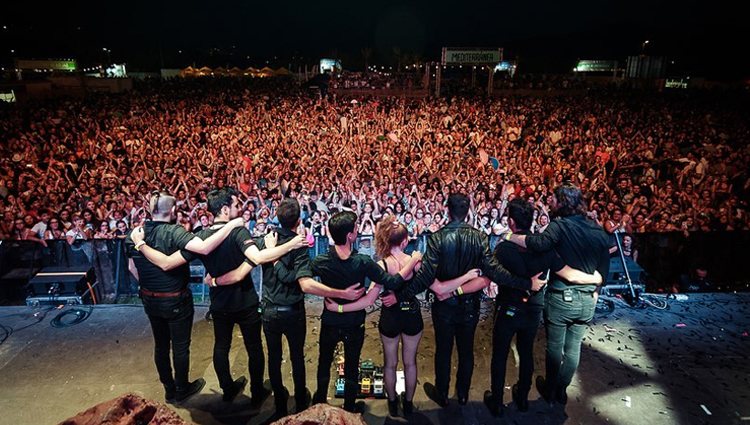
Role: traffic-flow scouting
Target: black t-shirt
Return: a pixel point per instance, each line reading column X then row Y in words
column 341, row 274
column 167, row 238
column 228, row 256
column 521, row 262
column 281, row 280
column 581, row 243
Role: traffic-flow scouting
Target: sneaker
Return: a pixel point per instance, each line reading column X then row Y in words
column 237, row 386
column 192, row 389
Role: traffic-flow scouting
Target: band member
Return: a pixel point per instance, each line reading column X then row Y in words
column 451, row 252
column 582, row 244
column 167, row 301
column 520, row 312
column 340, row 268
column 233, row 304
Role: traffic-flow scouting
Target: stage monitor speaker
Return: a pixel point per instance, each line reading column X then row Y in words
column 617, row 282
column 61, row 281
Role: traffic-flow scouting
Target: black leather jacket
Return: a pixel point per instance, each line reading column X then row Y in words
column 454, row 250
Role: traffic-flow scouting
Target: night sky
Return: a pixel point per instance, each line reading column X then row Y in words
column 703, row 38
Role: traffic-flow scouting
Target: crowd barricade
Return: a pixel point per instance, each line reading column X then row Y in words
column 663, row 256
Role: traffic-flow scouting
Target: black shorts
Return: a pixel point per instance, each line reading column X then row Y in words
column 398, row 320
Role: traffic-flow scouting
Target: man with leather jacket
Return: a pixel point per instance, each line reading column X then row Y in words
column 452, row 251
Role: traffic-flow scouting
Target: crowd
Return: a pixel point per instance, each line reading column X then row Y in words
column 84, row 168
column 381, row 79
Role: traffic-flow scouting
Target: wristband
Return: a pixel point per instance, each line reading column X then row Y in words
column 459, row 291
column 508, row 235
column 139, row 245
column 213, row 282
column 341, row 308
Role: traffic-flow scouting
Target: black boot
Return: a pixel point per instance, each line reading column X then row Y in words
column 544, row 391
column 237, row 386
column 435, row 395
column 355, row 407
column 302, row 401
column 258, row 397
column 280, row 400
column 169, row 393
column 494, row 404
column 522, row 401
column 393, row 407
column 561, row 395
column 319, row 398
column 194, row 387
column 408, row 407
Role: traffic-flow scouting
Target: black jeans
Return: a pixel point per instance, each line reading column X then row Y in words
column 250, row 324
column 524, row 324
column 171, row 323
column 353, row 338
column 459, row 323
column 293, row 324
column 566, row 322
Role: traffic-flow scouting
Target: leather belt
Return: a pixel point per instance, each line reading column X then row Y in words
column 148, row 293
column 293, row 307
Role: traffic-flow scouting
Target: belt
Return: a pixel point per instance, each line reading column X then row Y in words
column 292, row 307
column 559, row 291
column 148, row 293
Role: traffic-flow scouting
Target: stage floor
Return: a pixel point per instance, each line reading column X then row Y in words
column 684, row 365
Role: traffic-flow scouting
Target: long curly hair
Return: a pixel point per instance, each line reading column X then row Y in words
column 388, row 233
